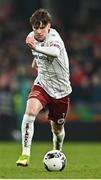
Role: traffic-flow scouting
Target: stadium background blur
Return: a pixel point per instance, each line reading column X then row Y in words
column 79, row 25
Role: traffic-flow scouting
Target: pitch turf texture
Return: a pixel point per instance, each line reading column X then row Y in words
column 84, row 162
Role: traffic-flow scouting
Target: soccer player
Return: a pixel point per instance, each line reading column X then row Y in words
column 51, row 87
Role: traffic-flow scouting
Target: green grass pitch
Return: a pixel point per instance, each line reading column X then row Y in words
column 84, row 161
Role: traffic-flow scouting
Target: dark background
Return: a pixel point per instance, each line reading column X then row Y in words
column 79, row 24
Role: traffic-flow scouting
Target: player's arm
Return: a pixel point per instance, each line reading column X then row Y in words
column 33, row 63
column 48, row 50
column 34, row 66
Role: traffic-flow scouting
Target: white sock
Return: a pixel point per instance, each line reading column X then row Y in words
column 58, row 140
column 27, row 133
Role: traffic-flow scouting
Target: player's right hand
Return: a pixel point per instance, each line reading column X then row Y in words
column 31, row 42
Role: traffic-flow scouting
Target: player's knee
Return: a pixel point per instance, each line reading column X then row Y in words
column 33, row 107
column 31, row 112
column 57, row 129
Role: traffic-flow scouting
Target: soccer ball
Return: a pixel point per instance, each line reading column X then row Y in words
column 54, row 160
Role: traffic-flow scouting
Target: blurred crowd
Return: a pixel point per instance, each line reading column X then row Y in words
column 83, row 42
column 15, row 68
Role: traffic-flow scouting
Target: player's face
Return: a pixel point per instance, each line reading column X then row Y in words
column 41, row 32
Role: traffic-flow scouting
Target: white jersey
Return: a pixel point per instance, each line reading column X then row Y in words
column 53, row 72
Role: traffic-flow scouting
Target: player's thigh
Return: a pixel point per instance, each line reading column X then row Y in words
column 37, row 99
column 33, row 106
column 59, row 110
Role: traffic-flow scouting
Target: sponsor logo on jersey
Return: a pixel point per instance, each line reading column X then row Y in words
column 42, row 57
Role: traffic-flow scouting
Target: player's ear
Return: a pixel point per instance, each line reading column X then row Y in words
column 49, row 25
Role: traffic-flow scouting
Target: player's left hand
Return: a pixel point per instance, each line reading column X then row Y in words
column 31, row 42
